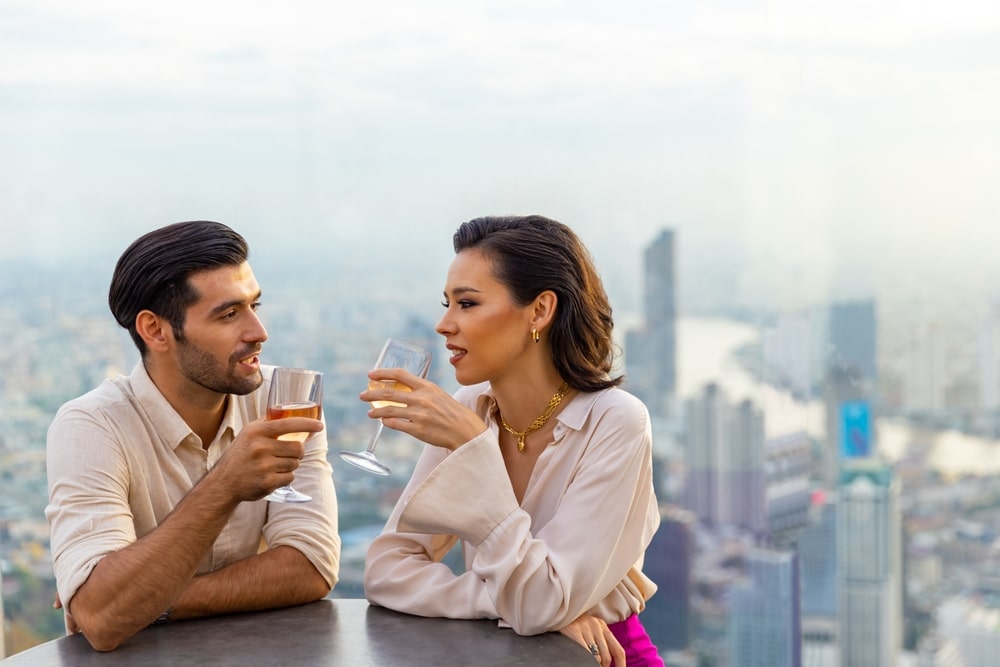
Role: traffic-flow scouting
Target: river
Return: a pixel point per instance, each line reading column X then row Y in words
column 705, row 353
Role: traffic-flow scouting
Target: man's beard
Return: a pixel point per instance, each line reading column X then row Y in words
column 203, row 369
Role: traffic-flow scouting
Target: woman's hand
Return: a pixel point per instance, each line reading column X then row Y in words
column 427, row 412
column 593, row 634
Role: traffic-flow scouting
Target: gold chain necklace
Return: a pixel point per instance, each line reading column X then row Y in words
column 539, row 420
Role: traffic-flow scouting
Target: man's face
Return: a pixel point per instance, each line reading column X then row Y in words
column 222, row 334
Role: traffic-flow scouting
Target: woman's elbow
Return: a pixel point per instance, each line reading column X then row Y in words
column 528, row 625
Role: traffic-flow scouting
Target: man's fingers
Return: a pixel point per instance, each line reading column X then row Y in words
column 275, row 427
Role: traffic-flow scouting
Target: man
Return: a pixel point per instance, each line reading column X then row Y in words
column 156, row 479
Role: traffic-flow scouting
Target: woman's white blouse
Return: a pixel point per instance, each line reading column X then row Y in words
column 575, row 544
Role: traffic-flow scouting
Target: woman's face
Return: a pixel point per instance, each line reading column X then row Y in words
column 485, row 331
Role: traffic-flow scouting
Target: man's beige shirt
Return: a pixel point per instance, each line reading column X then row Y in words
column 120, row 458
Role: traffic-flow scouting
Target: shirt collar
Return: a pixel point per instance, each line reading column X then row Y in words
column 171, row 427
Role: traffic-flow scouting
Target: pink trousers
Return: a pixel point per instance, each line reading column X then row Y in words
column 639, row 649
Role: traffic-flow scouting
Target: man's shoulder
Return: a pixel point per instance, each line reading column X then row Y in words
column 111, row 395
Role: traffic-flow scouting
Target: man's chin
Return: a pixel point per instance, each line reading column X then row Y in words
column 244, row 386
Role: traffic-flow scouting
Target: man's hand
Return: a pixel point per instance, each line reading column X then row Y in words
column 71, row 627
column 258, row 462
column 593, row 634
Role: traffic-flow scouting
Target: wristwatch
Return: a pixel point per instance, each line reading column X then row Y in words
column 164, row 617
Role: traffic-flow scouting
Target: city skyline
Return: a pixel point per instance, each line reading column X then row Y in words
column 801, row 152
column 57, row 333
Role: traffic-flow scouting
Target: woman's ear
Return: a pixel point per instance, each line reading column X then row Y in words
column 544, row 309
column 152, row 329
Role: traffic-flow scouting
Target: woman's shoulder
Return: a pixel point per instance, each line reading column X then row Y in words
column 620, row 400
column 607, row 408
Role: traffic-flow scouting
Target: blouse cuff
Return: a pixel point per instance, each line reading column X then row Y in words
column 468, row 494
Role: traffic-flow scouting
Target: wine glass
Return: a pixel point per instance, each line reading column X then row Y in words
column 396, row 353
column 295, row 392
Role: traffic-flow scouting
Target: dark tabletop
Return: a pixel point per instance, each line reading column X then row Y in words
column 327, row 632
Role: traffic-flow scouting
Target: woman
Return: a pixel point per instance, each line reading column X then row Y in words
column 539, row 464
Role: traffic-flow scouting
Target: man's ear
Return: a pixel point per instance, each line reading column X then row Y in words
column 154, row 330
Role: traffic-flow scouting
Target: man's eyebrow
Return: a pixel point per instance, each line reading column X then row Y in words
column 223, row 307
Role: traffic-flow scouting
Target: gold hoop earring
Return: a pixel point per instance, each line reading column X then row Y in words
column 535, row 336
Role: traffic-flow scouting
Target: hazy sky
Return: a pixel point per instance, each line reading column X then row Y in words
column 801, row 149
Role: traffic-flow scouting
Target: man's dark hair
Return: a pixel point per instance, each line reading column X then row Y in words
column 152, row 274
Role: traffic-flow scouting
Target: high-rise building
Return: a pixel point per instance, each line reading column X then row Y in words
column 840, row 393
column 764, row 612
column 789, row 352
column 669, row 563
column 725, row 483
column 3, row 651
column 651, row 351
column 869, row 565
column 927, row 377
column 788, row 465
column 853, row 341
column 817, row 548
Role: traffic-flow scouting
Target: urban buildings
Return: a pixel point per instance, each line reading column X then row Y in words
column 853, row 341
column 669, row 562
column 764, row 612
column 869, row 565
column 726, row 481
column 651, row 351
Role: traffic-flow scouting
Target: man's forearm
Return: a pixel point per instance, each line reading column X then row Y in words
column 131, row 587
column 278, row 577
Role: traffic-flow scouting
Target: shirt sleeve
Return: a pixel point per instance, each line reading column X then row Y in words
column 310, row 527
column 88, row 510
column 403, row 570
column 541, row 579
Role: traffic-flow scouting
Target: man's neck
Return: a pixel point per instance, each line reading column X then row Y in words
column 201, row 409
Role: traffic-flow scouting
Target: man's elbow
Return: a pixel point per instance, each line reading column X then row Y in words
column 311, row 588
column 102, row 634
column 103, row 639
column 103, row 646
column 322, row 589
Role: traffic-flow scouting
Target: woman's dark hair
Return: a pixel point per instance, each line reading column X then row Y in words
column 152, row 274
column 531, row 254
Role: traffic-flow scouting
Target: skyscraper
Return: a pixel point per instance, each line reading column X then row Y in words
column 3, row 652
column 869, row 565
column 651, row 352
column 764, row 626
column 788, row 464
column 669, row 563
column 726, row 482
column 840, row 393
column 853, row 340
column 817, row 548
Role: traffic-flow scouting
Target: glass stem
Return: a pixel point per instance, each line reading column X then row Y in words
column 374, row 440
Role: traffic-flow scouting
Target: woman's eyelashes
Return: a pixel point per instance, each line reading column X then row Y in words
column 463, row 304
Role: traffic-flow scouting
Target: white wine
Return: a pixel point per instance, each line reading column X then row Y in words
column 387, row 384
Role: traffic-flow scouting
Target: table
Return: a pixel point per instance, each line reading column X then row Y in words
column 327, row 632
